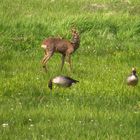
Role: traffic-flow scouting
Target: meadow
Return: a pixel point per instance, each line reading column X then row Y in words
column 101, row 106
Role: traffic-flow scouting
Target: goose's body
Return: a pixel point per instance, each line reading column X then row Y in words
column 62, row 81
column 132, row 80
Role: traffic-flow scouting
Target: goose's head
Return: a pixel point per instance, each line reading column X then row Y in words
column 134, row 71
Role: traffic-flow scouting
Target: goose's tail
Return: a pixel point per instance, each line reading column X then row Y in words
column 75, row 81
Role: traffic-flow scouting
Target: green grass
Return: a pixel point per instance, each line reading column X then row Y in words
column 100, row 106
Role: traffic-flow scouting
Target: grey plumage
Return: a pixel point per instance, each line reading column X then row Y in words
column 132, row 80
column 63, row 81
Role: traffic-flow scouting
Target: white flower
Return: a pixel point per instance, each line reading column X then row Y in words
column 30, row 120
column 31, row 125
column 5, row 124
column 12, row 108
column 67, row 99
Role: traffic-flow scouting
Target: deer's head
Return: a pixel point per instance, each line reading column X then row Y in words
column 75, row 36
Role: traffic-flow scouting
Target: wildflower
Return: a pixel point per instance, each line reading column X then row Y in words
column 67, row 99
column 12, row 108
column 30, row 120
column 5, row 124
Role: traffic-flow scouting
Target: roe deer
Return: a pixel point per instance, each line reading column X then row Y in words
column 62, row 46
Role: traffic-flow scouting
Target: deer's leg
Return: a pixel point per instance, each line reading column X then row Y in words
column 69, row 61
column 46, row 59
column 63, row 60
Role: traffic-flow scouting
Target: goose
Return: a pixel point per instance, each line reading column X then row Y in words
column 132, row 80
column 63, row 81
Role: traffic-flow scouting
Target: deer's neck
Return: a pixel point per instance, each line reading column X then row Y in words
column 75, row 43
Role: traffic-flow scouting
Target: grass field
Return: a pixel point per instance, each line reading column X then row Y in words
column 101, row 106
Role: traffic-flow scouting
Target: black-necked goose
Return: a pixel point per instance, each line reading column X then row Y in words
column 132, row 80
column 64, row 81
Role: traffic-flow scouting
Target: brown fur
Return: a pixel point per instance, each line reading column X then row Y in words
column 62, row 46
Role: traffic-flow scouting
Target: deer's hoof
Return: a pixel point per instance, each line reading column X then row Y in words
column 44, row 67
